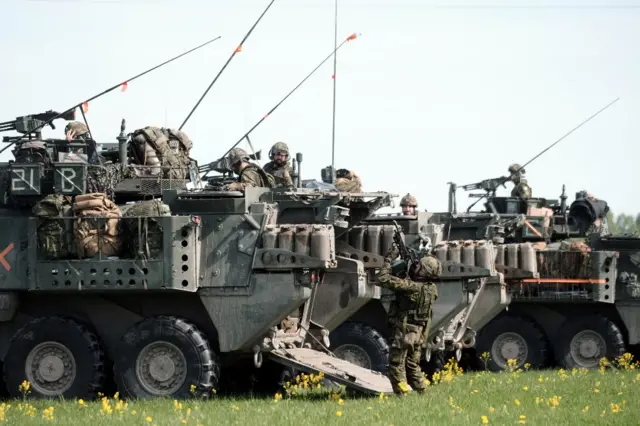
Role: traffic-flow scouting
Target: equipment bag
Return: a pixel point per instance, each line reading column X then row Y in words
column 96, row 228
column 164, row 151
column 144, row 231
column 54, row 233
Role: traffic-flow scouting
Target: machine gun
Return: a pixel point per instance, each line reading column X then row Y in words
column 32, row 124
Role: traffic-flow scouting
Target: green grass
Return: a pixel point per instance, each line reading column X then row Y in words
column 544, row 398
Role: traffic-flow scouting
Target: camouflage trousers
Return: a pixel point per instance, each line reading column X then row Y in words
column 404, row 359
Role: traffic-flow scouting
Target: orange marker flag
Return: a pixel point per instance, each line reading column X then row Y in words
column 352, row 37
column 85, row 107
column 238, row 49
column 124, row 86
column 333, row 77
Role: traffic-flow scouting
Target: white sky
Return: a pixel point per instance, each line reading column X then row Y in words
column 428, row 94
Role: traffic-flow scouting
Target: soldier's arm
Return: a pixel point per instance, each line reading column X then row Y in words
column 251, row 178
column 386, row 280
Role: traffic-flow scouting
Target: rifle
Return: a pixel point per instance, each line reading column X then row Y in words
column 408, row 257
column 72, row 109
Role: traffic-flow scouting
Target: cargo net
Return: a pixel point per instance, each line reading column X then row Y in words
column 564, row 275
column 91, row 226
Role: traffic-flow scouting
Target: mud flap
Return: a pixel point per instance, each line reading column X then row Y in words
column 335, row 369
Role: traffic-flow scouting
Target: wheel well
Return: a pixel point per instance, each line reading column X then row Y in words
column 374, row 315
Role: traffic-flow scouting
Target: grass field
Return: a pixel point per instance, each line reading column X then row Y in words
column 576, row 397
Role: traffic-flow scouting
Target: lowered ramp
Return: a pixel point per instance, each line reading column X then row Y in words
column 334, row 369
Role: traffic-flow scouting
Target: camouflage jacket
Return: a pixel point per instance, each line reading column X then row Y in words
column 252, row 175
column 282, row 174
column 522, row 190
column 412, row 302
column 350, row 182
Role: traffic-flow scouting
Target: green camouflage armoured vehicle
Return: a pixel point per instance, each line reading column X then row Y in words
column 471, row 292
column 117, row 262
column 582, row 305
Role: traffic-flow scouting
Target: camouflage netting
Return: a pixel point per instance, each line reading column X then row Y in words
column 54, row 235
column 104, row 179
column 96, row 229
column 564, row 264
column 144, row 232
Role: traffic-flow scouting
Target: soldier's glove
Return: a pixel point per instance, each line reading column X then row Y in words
column 235, row 186
column 393, row 254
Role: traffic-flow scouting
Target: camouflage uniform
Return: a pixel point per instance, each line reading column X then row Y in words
column 409, row 204
column 601, row 225
column 347, row 181
column 80, row 131
column 281, row 171
column 250, row 175
column 521, row 188
column 409, row 320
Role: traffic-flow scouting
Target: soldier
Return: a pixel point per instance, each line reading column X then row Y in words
column 347, row 181
column 409, row 319
column 279, row 167
column 76, row 130
column 249, row 174
column 409, row 205
column 601, row 225
column 522, row 188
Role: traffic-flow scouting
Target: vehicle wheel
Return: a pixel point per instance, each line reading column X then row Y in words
column 512, row 337
column 583, row 341
column 362, row 345
column 58, row 357
column 164, row 356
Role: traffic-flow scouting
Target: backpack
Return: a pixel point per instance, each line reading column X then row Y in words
column 95, row 235
column 54, row 235
column 145, row 233
column 166, row 151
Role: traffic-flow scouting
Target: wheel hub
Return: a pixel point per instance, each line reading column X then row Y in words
column 50, row 368
column 587, row 347
column 509, row 346
column 161, row 368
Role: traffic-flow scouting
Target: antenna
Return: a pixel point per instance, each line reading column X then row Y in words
column 335, row 63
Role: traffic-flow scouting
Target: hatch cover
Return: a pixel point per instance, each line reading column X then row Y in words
column 335, row 369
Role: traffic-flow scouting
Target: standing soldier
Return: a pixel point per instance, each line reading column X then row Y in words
column 409, row 205
column 279, row 167
column 409, row 319
column 522, row 188
column 249, row 174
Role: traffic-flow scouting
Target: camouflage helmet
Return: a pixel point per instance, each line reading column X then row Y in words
column 77, row 127
column 236, row 155
column 430, row 267
column 515, row 167
column 278, row 147
column 409, row 200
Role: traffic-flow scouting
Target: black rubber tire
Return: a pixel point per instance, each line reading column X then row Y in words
column 365, row 337
column 537, row 343
column 82, row 343
column 606, row 328
column 203, row 367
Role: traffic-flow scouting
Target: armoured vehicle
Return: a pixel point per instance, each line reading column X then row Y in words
column 170, row 285
column 583, row 303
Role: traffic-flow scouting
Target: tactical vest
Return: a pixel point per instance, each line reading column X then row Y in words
column 416, row 307
column 267, row 179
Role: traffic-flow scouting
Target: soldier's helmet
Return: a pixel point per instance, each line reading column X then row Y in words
column 409, row 201
column 515, row 167
column 79, row 128
column 237, row 155
column 279, row 148
column 430, row 268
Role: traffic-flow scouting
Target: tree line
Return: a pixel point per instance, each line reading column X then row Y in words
column 623, row 223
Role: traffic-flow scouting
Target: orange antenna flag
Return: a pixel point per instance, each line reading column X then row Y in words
column 85, row 107
column 238, row 49
column 124, row 86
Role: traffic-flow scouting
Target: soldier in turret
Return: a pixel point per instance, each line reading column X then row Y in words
column 409, row 319
column 249, row 174
column 279, row 167
column 409, row 205
column 521, row 188
column 76, row 130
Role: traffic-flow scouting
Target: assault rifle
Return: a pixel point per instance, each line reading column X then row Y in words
column 33, row 124
column 408, row 256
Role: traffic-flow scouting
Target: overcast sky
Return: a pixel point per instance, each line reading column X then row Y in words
column 428, row 94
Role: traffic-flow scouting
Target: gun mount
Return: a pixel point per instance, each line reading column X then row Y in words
column 26, row 125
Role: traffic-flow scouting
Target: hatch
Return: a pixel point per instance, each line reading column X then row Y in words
column 335, row 369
